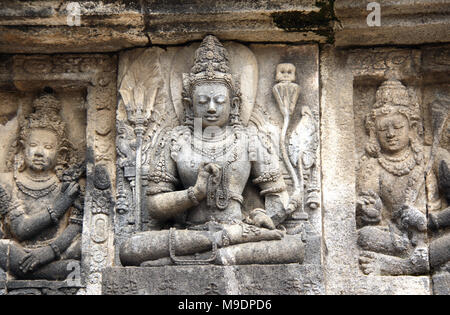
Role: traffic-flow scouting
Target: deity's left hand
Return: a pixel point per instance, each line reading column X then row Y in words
column 36, row 258
column 412, row 217
column 260, row 219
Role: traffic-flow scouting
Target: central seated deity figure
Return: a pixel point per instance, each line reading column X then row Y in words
column 200, row 171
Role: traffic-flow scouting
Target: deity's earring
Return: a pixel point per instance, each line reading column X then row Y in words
column 188, row 112
column 235, row 111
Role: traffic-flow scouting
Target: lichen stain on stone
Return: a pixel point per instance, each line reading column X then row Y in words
column 301, row 21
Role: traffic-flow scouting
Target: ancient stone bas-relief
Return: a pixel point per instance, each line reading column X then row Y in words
column 204, row 175
column 402, row 186
column 41, row 199
column 57, row 161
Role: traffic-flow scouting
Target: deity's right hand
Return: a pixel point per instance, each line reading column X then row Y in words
column 69, row 192
column 206, row 170
column 369, row 207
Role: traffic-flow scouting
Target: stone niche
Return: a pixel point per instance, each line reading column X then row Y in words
column 392, row 249
column 159, row 79
column 57, row 126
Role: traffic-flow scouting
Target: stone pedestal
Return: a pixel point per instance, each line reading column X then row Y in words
column 441, row 284
column 381, row 285
column 39, row 287
column 292, row 279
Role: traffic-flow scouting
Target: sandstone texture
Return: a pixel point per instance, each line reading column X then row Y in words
column 285, row 147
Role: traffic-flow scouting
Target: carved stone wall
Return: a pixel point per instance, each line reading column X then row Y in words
column 85, row 87
column 329, row 175
column 422, row 73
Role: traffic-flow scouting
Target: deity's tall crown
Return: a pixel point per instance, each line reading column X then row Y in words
column 211, row 64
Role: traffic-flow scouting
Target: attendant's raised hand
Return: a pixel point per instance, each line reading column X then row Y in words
column 69, row 192
column 368, row 207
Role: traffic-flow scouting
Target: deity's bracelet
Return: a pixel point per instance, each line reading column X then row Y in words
column 191, row 195
column 56, row 250
column 53, row 215
column 258, row 210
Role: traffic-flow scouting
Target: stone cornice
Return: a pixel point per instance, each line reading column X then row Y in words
column 114, row 25
column 41, row 26
column 403, row 22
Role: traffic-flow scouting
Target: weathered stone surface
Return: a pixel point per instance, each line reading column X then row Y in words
column 367, row 227
column 255, row 21
column 41, row 287
column 43, row 27
column 403, row 22
column 105, row 26
column 363, row 285
column 338, row 143
column 291, row 279
column 441, row 284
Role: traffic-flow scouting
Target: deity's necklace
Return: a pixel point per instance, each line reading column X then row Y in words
column 218, row 192
column 214, row 153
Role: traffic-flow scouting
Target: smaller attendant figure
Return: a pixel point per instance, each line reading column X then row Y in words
column 439, row 222
column 397, row 184
column 40, row 200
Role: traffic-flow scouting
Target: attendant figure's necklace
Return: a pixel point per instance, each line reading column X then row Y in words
column 35, row 187
column 400, row 166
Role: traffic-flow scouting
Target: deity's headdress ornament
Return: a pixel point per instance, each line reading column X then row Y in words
column 45, row 116
column 211, row 64
column 393, row 97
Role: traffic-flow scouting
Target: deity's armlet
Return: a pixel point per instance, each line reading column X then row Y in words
column 266, row 173
column 163, row 175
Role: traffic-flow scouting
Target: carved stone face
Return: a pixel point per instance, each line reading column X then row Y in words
column 41, row 150
column 211, row 102
column 285, row 72
column 393, row 133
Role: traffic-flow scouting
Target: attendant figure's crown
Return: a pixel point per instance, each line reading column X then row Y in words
column 47, row 103
column 393, row 97
column 45, row 116
column 393, row 93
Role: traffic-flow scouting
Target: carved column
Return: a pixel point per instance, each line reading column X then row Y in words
column 98, row 219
